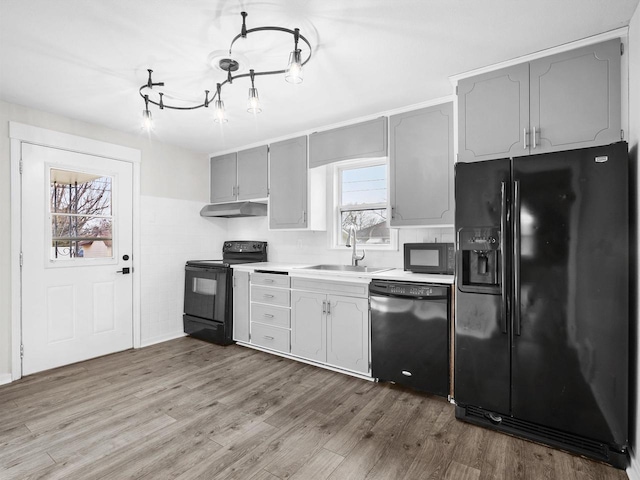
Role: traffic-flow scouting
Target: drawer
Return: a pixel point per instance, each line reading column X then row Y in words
column 269, row 315
column 270, row 337
column 272, row 296
column 270, row 280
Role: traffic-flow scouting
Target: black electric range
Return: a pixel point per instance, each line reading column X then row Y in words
column 208, row 295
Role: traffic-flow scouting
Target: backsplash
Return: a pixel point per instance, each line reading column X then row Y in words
column 172, row 232
column 313, row 247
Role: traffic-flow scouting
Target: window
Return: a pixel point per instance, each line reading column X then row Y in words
column 362, row 203
column 81, row 215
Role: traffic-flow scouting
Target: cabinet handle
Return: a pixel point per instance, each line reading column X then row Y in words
column 233, row 190
column 237, row 189
column 268, row 337
column 324, row 307
column 268, row 315
column 328, row 308
column 393, row 212
column 534, row 137
column 268, row 280
column 267, row 296
column 524, row 137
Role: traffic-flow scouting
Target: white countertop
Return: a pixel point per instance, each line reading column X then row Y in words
column 299, row 270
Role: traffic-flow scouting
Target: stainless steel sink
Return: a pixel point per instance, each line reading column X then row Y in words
column 347, row 268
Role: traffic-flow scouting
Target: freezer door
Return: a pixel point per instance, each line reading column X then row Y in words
column 482, row 369
column 571, row 340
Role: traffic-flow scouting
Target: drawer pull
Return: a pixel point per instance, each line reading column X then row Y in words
column 267, row 296
column 268, row 337
column 268, row 315
column 268, row 280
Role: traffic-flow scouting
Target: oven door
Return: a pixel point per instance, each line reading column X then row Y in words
column 205, row 293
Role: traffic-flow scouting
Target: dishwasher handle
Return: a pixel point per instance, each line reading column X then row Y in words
column 410, row 297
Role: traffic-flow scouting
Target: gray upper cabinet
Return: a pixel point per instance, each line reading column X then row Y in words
column 288, row 172
column 361, row 140
column 493, row 114
column 223, row 178
column 575, row 98
column 240, row 176
column 421, row 167
column 564, row 101
column 252, row 173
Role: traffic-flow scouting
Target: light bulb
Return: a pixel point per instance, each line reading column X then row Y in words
column 147, row 120
column 293, row 73
column 253, row 104
column 220, row 116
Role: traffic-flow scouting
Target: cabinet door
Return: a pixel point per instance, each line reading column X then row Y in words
column 288, row 178
column 575, row 98
column 308, row 325
column 348, row 333
column 241, row 306
column 493, row 114
column 252, row 173
column 223, row 178
column 421, row 167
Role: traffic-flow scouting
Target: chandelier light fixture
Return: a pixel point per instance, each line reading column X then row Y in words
column 152, row 93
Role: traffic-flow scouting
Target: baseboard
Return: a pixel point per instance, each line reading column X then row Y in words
column 5, row 378
column 633, row 470
column 161, row 338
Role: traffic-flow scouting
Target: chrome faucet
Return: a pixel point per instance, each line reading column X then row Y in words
column 355, row 258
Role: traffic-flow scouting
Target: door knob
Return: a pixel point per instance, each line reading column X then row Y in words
column 125, row 271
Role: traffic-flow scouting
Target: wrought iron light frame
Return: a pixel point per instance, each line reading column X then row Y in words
column 230, row 65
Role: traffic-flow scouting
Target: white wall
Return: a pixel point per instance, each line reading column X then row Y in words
column 634, row 140
column 174, row 186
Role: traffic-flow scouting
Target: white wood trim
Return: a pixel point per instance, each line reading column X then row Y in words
column 73, row 143
column 163, row 338
column 617, row 33
column 20, row 133
column 5, row 378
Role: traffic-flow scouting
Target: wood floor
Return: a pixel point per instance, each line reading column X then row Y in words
column 186, row 409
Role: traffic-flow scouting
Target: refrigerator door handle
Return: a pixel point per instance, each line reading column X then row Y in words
column 503, row 263
column 516, row 258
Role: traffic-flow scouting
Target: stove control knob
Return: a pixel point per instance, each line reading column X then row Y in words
column 228, row 245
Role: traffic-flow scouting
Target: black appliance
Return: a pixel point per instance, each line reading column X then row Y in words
column 542, row 298
column 208, row 294
column 429, row 258
column 410, row 334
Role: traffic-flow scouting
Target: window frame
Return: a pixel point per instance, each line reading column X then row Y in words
column 337, row 207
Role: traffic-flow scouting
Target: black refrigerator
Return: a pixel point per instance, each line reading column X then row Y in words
column 542, row 298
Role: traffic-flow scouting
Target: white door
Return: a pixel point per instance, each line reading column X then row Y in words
column 76, row 245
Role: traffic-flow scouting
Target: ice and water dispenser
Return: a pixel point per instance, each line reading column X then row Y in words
column 479, row 263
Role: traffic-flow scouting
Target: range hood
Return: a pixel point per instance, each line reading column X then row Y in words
column 236, row 209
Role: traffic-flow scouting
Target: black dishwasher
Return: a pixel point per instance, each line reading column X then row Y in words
column 410, row 334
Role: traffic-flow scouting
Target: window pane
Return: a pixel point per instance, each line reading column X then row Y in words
column 364, row 185
column 81, row 215
column 371, row 226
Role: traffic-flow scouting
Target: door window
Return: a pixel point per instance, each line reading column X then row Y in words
column 80, row 215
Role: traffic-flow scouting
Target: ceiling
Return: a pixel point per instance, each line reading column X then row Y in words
column 86, row 59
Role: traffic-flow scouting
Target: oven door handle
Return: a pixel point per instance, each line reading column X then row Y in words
column 205, row 269
column 410, row 297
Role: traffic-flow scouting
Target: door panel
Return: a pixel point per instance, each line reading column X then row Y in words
column 493, row 114
column 252, row 173
column 308, row 325
column 482, row 357
column 75, row 303
column 572, row 354
column 223, row 178
column 288, row 180
column 348, row 333
column 575, row 98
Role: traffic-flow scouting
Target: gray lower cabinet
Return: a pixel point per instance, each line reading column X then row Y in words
column 241, row 306
column 239, row 176
column 561, row 102
column 330, row 328
column 288, row 180
column 270, row 312
column 309, row 325
column 421, row 167
column 348, row 333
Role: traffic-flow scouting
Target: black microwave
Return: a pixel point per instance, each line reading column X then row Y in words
column 429, row 257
